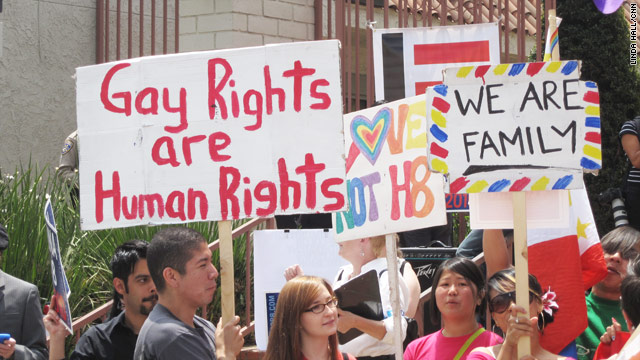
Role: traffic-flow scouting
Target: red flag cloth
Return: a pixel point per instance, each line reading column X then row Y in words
column 567, row 261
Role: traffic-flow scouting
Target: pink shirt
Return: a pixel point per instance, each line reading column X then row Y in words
column 439, row 347
column 484, row 356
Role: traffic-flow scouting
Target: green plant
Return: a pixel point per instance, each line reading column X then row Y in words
column 602, row 43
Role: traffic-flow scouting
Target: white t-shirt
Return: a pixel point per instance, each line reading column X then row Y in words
column 367, row 345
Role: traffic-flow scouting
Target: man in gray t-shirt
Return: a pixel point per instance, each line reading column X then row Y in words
column 180, row 264
column 164, row 336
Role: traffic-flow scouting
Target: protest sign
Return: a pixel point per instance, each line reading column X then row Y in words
column 408, row 60
column 214, row 135
column 390, row 188
column 315, row 250
column 514, row 127
column 61, row 291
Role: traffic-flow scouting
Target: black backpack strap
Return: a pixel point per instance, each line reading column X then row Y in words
column 401, row 268
column 402, row 264
column 380, row 273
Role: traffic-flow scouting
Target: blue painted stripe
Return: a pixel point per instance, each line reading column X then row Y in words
column 569, row 67
column 591, row 84
column 499, row 185
column 563, row 182
column 516, row 69
column 438, row 133
column 441, row 89
column 593, row 122
column 589, row 164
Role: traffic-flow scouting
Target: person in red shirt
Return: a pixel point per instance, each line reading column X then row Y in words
column 305, row 323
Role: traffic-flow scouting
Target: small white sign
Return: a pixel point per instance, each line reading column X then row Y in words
column 315, row 250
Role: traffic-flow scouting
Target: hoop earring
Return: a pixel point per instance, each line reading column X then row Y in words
column 541, row 316
column 362, row 253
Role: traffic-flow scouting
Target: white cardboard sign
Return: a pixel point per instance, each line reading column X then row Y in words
column 211, row 135
column 514, row 127
column 315, row 250
column 390, row 187
column 545, row 209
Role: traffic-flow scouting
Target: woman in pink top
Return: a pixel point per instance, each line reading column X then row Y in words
column 305, row 323
column 457, row 296
column 502, row 286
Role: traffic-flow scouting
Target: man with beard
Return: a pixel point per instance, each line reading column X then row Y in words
column 603, row 303
column 134, row 291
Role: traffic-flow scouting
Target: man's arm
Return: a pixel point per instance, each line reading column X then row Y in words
column 67, row 170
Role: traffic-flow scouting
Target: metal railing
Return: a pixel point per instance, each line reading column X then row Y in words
column 142, row 31
column 352, row 22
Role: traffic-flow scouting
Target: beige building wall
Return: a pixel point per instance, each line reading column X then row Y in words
column 41, row 44
column 223, row 24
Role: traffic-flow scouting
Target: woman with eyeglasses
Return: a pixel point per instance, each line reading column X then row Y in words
column 376, row 341
column 305, row 323
column 508, row 316
column 457, row 296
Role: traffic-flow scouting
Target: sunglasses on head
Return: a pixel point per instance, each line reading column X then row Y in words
column 501, row 303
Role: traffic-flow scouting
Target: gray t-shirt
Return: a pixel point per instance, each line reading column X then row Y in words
column 164, row 336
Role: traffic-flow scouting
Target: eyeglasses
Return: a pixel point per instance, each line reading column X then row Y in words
column 501, row 303
column 319, row 308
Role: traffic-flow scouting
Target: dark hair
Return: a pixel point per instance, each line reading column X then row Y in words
column 123, row 261
column 171, row 247
column 470, row 271
column 623, row 239
column 285, row 337
column 504, row 281
column 634, row 267
column 630, row 298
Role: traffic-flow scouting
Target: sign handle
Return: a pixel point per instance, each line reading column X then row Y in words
column 392, row 270
column 226, row 270
column 522, row 263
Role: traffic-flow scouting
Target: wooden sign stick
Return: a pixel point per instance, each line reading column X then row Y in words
column 522, row 263
column 392, row 270
column 226, row 270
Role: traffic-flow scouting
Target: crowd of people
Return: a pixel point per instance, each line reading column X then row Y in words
column 159, row 285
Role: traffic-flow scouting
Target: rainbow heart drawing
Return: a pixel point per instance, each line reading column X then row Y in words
column 369, row 136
